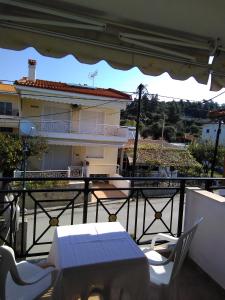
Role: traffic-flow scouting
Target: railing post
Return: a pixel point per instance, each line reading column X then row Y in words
column 86, row 192
column 22, row 250
column 208, row 184
column 181, row 208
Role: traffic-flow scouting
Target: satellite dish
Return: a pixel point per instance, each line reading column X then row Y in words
column 26, row 127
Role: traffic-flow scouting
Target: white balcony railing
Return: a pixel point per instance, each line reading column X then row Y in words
column 72, row 171
column 54, row 126
column 64, row 126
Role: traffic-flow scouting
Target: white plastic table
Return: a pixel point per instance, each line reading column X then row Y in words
column 101, row 255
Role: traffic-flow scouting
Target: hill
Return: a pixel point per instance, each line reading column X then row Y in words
column 173, row 119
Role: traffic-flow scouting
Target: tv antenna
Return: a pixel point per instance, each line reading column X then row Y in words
column 92, row 76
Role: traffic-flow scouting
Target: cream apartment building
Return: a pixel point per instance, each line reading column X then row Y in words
column 80, row 123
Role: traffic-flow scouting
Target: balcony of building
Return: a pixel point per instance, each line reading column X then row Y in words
column 66, row 131
column 9, row 119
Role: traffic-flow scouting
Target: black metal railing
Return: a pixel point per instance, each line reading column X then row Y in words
column 148, row 205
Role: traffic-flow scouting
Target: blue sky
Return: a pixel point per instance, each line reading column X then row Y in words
column 13, row 65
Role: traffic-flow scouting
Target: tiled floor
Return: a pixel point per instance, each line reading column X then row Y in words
column 193, row 284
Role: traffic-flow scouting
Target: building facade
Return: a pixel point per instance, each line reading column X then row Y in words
column 81, row 124
column 209, row 132
column 10, row 109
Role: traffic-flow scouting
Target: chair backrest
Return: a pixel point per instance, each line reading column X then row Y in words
column 180, row 251
column 7, row 264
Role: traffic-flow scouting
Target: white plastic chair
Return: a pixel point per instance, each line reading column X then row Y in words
column 23, row 280
column 163, row 270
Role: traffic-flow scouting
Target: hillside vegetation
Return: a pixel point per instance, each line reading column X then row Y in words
column 179, row 117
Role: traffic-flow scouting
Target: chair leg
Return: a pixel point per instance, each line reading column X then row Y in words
column 84, row 295
column 106, row 293
column 163, row 294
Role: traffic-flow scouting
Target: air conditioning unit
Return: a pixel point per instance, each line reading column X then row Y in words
column 76, row 106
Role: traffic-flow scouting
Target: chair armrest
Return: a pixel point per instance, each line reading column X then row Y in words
column 36, row 278
column 163, row 236
column 158, row 263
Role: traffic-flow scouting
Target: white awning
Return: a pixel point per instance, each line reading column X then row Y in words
column 160, row 36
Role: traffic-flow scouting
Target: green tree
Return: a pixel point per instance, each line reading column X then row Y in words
column 146, row 132
column 203, row 151
column 11, row 151
column 185, row 116
column 173, row 112
column 170, row 133
column 156, row 130
column 194, row 129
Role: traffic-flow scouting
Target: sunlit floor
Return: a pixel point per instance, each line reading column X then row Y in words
column 104, row 194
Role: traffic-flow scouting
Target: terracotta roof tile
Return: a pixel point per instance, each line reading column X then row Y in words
column 217, row 113
column 64, row 87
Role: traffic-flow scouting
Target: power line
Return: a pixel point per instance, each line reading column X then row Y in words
column 133, row 92
column 60, row 97
column 215, row 96
column 69, row 111
column 65, row 112
column 93, row 106
column 173, row 98
column 79, row 86
column 5, row 80
column 125, row 92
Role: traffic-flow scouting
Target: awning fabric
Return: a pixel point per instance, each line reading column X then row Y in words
column 156, row 36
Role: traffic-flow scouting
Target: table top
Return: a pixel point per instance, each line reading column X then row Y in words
column 93, row 243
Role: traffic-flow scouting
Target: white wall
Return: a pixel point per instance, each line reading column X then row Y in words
column 208, row 246
column 209, row 132
column 105, row 165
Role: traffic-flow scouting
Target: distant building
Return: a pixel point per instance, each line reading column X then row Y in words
column 10, row 109
column 209, row 132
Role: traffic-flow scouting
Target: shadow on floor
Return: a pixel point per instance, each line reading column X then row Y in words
column 192, row 284
column 195, row 284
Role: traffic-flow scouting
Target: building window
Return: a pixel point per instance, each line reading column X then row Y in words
column 207, row 130
column 6, row 129
column 95, row 152
column 6, row 108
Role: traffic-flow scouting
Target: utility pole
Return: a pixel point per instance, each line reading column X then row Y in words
column 163, row 127
column 140, row 90
column 216, row 148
